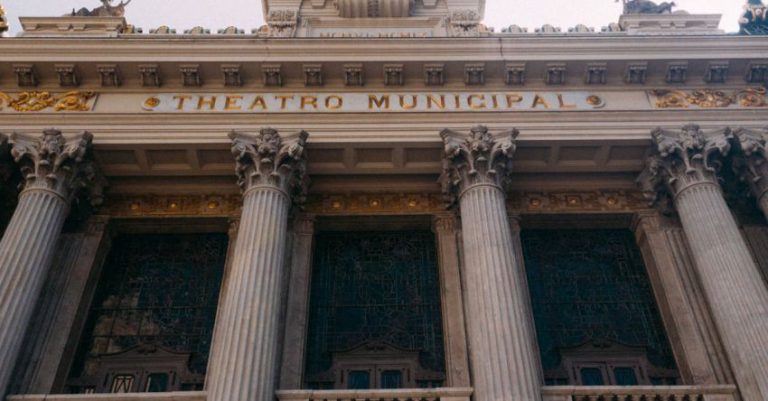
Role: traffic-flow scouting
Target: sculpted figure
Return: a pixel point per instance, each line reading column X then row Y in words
column 647, row 7
column 106, row 10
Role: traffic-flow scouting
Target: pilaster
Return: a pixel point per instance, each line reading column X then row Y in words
column 445, row 227
column 685, row 164
column 55, row 169
column 754, row 160
column 503, row 358
column 297, row 310
column 270, row 172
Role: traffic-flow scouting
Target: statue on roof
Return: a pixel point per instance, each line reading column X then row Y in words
column 646, row 7
column 753, row 21
column 3, row 21
column 106, row 10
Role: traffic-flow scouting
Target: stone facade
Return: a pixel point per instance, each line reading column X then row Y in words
column 474, row 141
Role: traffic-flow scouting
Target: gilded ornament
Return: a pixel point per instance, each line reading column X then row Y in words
column 26, row 102
column 709, row 98
column 151, row 102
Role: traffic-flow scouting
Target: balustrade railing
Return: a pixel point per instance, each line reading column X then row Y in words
column 639, row 393
column 430, row 394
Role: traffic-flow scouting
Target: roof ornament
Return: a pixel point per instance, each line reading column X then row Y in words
column 646, row 7
column 3, row 21
column 754, row 21
column 106, row 10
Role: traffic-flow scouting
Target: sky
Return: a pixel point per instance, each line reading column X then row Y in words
column 247, row 14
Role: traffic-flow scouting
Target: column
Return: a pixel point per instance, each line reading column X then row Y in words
column 504, row 357
column 297, row 310
column 271, row 172
column 455, row 336
column 685, row 166
column 754, row 161
column 54, row 169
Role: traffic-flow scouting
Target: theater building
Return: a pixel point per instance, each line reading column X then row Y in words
column 384, row 200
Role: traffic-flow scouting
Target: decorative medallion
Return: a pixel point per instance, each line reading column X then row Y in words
column 709, row 98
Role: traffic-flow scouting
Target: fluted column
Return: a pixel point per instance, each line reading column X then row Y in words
column 754, row 163
column 54, row 169
column 503, row 353
column 685, row 166
column 271, row 172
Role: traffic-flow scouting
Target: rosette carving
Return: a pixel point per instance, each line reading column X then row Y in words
column 754, row 163
column 479, row 158
column 60, row 164
column 683, row 158
column 266, row 159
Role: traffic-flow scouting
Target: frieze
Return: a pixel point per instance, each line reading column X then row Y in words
column 579, row 202
column 345, row 204
column 171, row 205
column 24, row 102
column 709, row 98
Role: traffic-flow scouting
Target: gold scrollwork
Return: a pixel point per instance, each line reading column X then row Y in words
column 710, row 98
column 25, row 102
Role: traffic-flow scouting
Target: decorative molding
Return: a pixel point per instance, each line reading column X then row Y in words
column 394, row 75
column 576, row 202
column 60, row 164
column 677, row 73
column 172, row 205
column 753, row 145
column 447, row 222
column 313, row 74
column 709, row 98
column 682, row 159
column 434, row 74
column 271, row 74
column 366, row 203
column 232, row 75
column 515, row 74
column 595, row 73
column 190, row 75
column 354, row 75
column 110, row 75
column 554, row 74
column 266, row 159
column 150, row 76
column 67, row 74
column 717, row 72
column 477, row 158
column 464, row 23
column 636, row 73
column 474, row 74
column 757, row 72
column 25, row 75
column 25, row 102
column 282, row 23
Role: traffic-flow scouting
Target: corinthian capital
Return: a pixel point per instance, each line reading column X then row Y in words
column 477, row 158
column 266, row 159
column 57, row 163
column 754, row 152
column 683, row 158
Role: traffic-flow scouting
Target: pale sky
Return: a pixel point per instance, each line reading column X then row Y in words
column 217, row 14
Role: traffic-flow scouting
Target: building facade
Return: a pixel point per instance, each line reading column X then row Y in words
column 421, row 208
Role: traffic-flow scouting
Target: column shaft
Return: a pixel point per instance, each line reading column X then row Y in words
column 501, row 335
column 26, row 250
column 732, row 283
column 245, row 367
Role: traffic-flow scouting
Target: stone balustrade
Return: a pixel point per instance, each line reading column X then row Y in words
column 427, row 394
column 639, row 393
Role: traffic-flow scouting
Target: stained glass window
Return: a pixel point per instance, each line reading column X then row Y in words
column 591, row 285
column 158, row 290
column 374, row 287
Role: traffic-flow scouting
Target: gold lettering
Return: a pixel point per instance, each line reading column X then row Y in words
column 476, row 106
column 457, row 101
column 539, row 100
column 181, row 99
column 439, row 102
column 202, row 101
column 512, row 99
column 412, row 105
column 495, row 101
column 283, row 100
column 563, row 105
column 338, row 102
column 259, row 102
column 382, row 101
column 232, row 102
column 309, row 101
